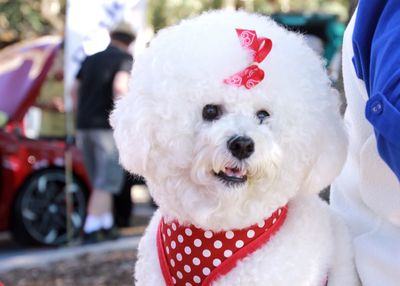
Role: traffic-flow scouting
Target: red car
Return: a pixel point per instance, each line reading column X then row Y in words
column 32, row 170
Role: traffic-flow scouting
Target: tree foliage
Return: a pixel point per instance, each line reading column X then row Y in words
column 164, row 13
column 22, row 19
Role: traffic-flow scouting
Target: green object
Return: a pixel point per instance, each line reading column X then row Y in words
column 326, row 27
column 3, row 119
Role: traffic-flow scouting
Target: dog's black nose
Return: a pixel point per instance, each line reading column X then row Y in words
column 241, row 146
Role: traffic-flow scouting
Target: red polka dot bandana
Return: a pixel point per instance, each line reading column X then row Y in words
column 260, row 47
column 191, row 256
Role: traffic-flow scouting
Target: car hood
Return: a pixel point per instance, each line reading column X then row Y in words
column 23, row 69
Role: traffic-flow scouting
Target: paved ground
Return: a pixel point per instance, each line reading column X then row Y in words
column 104, row 264
column 20, row 258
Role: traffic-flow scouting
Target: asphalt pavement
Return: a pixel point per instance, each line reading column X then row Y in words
column 13, row 256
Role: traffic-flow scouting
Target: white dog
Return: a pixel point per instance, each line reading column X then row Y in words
column 233, row 122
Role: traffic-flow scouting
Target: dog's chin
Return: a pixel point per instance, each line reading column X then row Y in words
column 231, row 177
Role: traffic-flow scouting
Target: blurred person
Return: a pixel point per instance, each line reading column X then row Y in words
column 51, row 101
column 367, row 192
column 46, row 117
column 123, row 205
column 101, row 79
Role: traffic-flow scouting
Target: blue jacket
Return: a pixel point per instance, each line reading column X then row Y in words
column 376, row 44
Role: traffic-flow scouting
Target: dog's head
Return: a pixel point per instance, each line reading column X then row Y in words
column 218, row 155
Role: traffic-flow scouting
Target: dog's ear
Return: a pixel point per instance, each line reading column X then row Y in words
column 132, row 132
column 329, row 151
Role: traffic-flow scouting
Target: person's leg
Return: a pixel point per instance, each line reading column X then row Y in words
column 100, row 202
column 107, row 180
column 85, row 146
column 97, row 200
column 98, row 214
column 123, row 204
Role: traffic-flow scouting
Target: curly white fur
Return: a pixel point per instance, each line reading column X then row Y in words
column 299, row 149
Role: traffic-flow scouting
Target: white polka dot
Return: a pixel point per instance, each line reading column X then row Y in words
column 172, row 262
column 169, row 232
column 179, row 256
column 188, row 284
column 179, row 274
column 216, row 262
column 188, row 231
column 274, row 221
column 196, row 279
column 173, row 244
column 227, row 253
column 208, row 234
column 163, row 236
column 206, row 271
column 180, row 238
column 279, row 211
column 188, row 250
column 167, row 249
column 261, row 224
column 174, row 280
column 196, row 261
column 206, row 253
column 197, row 242
column 187, row 268
column 217, row 244
column 239, row 243
column 229, row 234
column 250, row 233
column 174, row 226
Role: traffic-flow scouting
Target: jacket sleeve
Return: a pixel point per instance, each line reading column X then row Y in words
column 377, row 62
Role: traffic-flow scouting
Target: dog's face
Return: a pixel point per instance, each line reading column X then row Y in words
column 220, row 156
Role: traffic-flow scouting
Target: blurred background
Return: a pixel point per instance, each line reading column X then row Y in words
column 24, row 19
column 44, row 187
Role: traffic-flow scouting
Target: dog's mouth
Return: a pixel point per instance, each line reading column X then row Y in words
column 232, row 176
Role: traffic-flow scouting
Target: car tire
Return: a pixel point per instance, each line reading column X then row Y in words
column 39, row 214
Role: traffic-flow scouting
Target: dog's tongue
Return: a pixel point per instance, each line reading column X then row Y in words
column 234, row 172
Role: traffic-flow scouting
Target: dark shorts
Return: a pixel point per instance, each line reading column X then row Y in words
column 100, row 156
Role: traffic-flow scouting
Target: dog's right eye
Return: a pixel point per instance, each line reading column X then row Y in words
column 212, row 112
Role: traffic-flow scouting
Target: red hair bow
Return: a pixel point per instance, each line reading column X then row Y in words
column 252, row 75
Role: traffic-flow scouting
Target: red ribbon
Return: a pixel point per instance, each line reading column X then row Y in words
column 252, row 75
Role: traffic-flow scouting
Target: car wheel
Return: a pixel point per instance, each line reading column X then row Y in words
column 40, row 215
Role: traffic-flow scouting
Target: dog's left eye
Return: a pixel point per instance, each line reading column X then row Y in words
column 212, row 112
column 262, row 115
